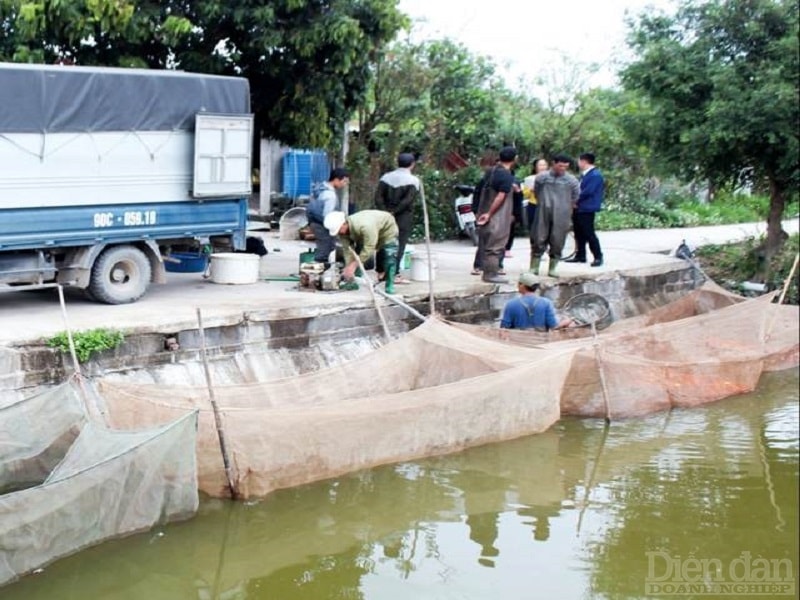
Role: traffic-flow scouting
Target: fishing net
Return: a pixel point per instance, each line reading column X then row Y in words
column 32, row 445
column 684, row 354
column 77, row 483
column 436, row 390
column 445, row 387
column 588, row 307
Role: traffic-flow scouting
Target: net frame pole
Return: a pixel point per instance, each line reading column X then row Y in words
column 789, row 279
column 786, row 284
column 602, row 373
column 426, row 223
column 371, row 289
column 223, row 445
column 76, row 365
column 410, row 309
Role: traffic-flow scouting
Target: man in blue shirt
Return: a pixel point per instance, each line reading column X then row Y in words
column 589, row 203
column 529, row 310
column 320, row 207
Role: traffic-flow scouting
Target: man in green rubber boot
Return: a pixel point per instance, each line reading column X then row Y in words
column 363, row 234
column 556, row 193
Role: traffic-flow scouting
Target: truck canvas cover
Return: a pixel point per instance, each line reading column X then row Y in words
column 59, row 99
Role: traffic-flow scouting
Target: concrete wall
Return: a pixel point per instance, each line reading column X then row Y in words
column 266, row 345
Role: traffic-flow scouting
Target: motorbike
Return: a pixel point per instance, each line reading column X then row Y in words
column 464, row 212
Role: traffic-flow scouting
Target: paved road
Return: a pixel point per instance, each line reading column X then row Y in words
column 27, row 316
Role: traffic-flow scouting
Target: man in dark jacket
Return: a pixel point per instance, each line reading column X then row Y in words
column 589, row 203
column 396, row 194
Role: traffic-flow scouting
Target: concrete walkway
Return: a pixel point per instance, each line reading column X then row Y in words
column 30, row 316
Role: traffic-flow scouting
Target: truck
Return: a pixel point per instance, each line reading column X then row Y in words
column 106, row 171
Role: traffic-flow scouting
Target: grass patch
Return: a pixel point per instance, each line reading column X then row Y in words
column 88, row 342
column 731, row 264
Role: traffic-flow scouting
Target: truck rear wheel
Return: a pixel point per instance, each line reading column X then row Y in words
column 120, row 275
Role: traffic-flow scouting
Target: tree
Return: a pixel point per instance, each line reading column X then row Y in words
column 397, row 109
column 462, row 99
column 722, row 80
column 435, row 97
column 307, row 60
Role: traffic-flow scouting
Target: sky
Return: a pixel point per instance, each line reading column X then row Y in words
column 528, row 39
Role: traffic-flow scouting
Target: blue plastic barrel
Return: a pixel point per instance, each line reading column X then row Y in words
column 302, row 170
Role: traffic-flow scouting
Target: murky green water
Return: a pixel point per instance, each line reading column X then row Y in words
column 572, row 513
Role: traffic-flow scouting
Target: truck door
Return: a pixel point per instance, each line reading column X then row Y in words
column 223, row 147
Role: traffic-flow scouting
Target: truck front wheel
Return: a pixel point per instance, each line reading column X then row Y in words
column 120, row 275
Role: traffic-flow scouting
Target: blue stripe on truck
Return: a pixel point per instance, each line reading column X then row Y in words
column 35, row 228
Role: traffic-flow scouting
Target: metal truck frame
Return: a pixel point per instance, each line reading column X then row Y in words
column 103, row 170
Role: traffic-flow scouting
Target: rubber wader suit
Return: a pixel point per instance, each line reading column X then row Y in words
column 494, row 235
column 555, row 197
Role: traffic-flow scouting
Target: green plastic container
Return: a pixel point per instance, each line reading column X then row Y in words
column 305, row 257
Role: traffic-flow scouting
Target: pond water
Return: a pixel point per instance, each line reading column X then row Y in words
column 694, row 497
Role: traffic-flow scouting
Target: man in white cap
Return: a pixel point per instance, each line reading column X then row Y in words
column 530, row 310
column 363, row 234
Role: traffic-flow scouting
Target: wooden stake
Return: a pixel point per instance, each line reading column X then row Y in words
column 71, row 342
column 602, row 373
column 217, row 416
column 91, row 410
column 786, row 284
column 431, row 300
column 788, row 281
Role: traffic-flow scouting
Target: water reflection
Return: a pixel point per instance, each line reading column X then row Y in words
column 569, row 513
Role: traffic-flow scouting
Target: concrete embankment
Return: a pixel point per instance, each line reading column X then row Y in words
column 270, row 329
column 267, row 335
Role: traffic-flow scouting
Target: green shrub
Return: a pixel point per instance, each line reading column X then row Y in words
column 87, row 342
column 743, row 261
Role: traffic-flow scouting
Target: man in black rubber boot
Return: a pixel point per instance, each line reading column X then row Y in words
column 495, row 213
column 589, row 203
column 397, row 193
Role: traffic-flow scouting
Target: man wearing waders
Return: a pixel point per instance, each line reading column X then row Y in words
column 495, row 213
column 556, row 193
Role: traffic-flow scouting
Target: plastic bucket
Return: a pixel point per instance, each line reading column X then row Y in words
column 419, row 267
column 234, row 268
column 292, row 221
